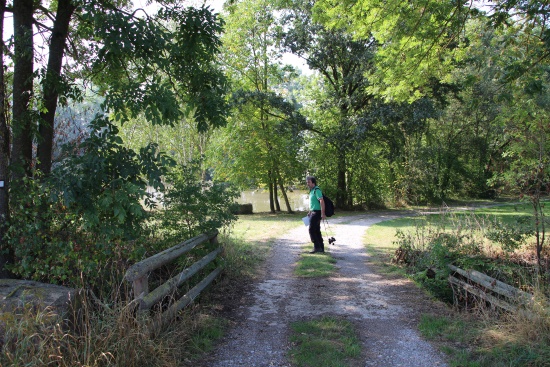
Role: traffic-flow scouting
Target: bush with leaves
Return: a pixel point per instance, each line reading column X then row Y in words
column 469, row 242
column 80, row 222
column 431, row 247
column 107, row 183
column 511, row 237
column 426, row 254
column 192, row 205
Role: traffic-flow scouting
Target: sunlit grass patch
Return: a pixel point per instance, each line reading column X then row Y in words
column 264, row 227
column 475, row 342
column 242, row 258
column 380, row 240
column 314, row 265
column 249, row 241
column 434, row 327
column 326, row 342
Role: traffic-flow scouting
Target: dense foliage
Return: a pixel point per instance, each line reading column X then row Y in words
column 80, row 216
column 90, row 217
column 191, row 206
column 402, row 103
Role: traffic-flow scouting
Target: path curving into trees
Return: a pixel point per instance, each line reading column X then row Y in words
column 384, row 310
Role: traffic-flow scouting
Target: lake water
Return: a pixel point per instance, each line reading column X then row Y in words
column 299, row 200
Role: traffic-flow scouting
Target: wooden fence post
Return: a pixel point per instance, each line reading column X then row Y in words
column 141, row 286
column 138, row 275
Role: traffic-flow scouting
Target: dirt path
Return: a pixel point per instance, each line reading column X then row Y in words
column 385, row 311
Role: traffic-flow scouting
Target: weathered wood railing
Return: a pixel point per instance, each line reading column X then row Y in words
column 491, row 290
column 138, row 275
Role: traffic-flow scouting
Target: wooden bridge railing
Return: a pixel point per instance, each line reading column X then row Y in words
column 138, row 275
column 491, row 290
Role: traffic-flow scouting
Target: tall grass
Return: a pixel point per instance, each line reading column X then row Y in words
column 485, row 341
column 496, row 241
column 102, row 336
column 113, row 334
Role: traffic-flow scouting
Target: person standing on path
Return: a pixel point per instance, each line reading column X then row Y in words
column 316, row 214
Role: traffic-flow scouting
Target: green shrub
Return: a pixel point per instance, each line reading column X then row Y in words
column 510, row 236
column 192, row 206
column 80, row 223
column 428, row 250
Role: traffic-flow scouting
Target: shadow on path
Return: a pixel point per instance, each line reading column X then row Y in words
column 384, row 311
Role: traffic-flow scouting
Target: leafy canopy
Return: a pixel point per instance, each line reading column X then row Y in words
column 416, row 39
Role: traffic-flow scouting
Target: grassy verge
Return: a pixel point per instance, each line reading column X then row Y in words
column 380, row 238
column 483, row 340
column 314, row 265
column 264, row 227
column 250, row 239
column 326, row 342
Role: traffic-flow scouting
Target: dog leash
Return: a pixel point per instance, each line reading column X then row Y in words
column 331, row 240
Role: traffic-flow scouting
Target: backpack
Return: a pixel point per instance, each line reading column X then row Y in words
column 329, row 206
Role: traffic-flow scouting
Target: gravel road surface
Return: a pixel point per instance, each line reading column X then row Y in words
column 385, row 310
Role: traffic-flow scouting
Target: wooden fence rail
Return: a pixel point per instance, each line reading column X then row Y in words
column 138, row 275
column 489, row 289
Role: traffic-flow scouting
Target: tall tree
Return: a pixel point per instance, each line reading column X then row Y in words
column 421, row 38
column 21, row 155
column 120, row 50
column 528, row 157
column 261, row 115
column 4, row 149
column 418, row 38
column 52, row 82
column 343, row 64
column 161, row 66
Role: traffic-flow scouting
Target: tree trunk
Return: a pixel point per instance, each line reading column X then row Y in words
column 65, row 10
column 283, row 191
column 21, row 157
column 275, row 192
column 349, row 190
column 271, row 203
column 5, row 258
column 342, row 188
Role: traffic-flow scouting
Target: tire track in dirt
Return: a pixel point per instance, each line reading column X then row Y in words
column 384, row 311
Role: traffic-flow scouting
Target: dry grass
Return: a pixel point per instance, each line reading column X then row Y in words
column 529, row 327
column 105, row 334
column 112, row 334
column 102, row 336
